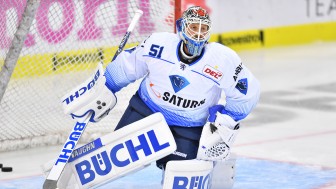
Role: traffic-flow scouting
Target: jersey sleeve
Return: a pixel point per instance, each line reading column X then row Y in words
column 243, row 95
column 241, row 88
column 126, row 68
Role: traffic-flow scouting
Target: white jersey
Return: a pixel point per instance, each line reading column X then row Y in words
column 183, row 92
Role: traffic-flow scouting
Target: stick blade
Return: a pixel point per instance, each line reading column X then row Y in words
column 50, row 184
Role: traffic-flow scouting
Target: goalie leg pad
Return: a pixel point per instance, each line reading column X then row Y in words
column 124, row 151
column 199, row 174
column 223, row 174
column 187, row 145
column 188, row 174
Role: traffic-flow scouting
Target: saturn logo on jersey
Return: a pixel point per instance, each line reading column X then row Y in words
column 212, row 73
column 181, row 102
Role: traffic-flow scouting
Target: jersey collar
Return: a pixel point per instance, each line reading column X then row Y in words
column 180, row 56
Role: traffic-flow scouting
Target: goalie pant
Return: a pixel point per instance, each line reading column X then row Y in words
column 186, row 138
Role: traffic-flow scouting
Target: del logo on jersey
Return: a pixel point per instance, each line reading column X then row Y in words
column 212, row 73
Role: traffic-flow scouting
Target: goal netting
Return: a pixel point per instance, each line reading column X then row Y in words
column 64, row 43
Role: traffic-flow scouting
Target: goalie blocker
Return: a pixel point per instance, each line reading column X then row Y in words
column 90, row 99
column 117, row 154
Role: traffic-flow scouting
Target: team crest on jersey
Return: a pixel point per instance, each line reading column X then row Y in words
column 212, row 73
column 183, row 66
column 178, row 82
column 242, row 86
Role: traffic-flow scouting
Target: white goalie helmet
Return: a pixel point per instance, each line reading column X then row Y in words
column 194, row 29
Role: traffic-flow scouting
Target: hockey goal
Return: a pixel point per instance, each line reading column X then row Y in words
column 54, row 45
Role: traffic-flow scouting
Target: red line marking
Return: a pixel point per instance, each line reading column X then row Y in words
column 329, row 185
column 287, row 138
column 320, row 167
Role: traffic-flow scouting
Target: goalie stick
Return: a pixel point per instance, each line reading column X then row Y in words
column 138, row 14
column 65, row 154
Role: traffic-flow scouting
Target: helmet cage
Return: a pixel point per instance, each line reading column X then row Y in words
column 194, row 29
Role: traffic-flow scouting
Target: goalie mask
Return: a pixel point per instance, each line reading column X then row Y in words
column 194, row 29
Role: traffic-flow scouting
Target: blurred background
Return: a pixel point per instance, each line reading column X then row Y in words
column 287, row 142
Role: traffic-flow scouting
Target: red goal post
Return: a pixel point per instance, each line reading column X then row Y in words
column 58, row 50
